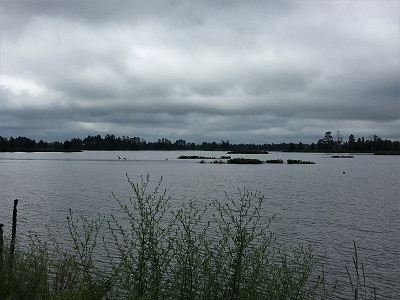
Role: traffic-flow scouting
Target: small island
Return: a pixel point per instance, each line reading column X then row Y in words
column 274, row 161
column 299, row 162
column 202, row 157
column 194, row 157
column 241, row 161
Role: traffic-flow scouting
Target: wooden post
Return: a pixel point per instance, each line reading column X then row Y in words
column 14, row 230
column 1, row 239
column 1, row 246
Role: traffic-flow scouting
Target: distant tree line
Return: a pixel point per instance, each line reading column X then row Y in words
column 373, row 144
column 327, row 143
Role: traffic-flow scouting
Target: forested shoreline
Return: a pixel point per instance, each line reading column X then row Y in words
column 110, row 142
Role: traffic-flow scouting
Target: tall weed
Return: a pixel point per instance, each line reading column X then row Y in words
column 359, row 287
column 143, row 240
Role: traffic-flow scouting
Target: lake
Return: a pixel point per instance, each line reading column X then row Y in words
column 328, row 204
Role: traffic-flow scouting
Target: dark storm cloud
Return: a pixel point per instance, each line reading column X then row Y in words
column 251, row 71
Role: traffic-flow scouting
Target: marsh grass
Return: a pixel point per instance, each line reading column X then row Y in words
column 299, row 162
column 24, row 275
column 224, row 250
column 274, row 161
column 241, row 161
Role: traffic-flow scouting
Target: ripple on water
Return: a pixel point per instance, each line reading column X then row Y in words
column 315, row 204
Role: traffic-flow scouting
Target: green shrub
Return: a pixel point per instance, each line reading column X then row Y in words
column 144, row 246
column 25, row 274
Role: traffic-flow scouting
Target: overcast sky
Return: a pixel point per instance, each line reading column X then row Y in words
column 243, row 71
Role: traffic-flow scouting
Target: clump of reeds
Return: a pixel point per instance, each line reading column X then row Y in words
column 192, row 157
column 251, row 161
column 24, row 275
column 274, row 161
column 299, row 162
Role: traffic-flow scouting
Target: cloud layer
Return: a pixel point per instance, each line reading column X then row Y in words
column 250, row 71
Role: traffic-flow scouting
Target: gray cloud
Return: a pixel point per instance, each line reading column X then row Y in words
column 253, row 71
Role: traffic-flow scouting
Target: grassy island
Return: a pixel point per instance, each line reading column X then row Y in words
column 242, row 161
column 194, row 157
column 201, row 157
column 299, row 162
column 274, row 161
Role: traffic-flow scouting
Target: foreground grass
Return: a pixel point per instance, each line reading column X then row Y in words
column 221, row 251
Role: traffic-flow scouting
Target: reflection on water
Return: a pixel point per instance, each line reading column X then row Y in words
column 328, row 204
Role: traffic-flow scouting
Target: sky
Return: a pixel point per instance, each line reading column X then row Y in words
column 210, row 70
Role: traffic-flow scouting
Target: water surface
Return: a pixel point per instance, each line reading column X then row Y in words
column 328, row 204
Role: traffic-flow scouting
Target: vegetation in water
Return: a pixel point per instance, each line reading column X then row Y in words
column 194, row 157
column 299, row 162
column 223, row 250
column 274, row 161
column 242, row 161
column 202, row 157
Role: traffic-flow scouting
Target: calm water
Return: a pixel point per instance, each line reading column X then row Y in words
column 317, row 204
